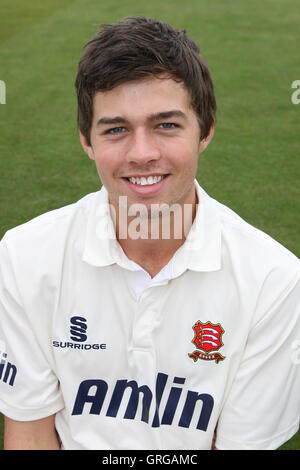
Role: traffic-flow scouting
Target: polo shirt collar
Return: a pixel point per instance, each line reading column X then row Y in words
column 101, row 247
column 201, row 250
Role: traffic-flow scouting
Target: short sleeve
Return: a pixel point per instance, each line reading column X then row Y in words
column 29, row 389
column 262, row 410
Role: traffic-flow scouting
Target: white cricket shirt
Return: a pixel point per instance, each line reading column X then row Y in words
column 130, row 362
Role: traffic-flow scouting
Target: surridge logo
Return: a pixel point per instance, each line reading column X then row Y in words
column 78, row 329
column 78, row 335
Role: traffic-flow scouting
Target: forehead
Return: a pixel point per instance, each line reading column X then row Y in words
column 141, row 98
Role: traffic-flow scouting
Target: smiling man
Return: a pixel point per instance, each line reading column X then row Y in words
column 147, row 315
column 145, row 140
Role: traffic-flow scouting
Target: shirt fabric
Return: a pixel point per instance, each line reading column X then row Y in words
column 127, row 361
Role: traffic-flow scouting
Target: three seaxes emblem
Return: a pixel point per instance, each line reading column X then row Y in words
column 207, row 338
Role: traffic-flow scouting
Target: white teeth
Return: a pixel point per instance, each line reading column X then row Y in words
column 150, row 180
column 145, row 181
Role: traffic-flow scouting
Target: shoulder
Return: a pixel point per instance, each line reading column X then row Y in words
column 34, row 255
column 258, row 264
column 243, row 245
column 250, row 265
column 39, row 247
column 51, row 225
column 250, row 242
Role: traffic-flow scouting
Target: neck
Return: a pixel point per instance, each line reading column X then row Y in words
column 154, row 237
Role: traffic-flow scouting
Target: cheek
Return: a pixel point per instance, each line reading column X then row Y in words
column 184, row 155
column 106, row 162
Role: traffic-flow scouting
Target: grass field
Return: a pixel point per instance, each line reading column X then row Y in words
column 252, row 48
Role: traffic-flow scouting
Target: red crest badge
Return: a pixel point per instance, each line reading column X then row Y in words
column 207, row 338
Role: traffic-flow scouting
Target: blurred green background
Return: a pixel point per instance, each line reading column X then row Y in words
column 252, row 48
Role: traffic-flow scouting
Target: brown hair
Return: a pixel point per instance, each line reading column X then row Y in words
column 135, row 48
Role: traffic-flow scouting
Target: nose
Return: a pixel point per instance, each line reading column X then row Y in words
column 142, row 148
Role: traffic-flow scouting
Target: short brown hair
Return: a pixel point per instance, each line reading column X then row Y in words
column 135, row 48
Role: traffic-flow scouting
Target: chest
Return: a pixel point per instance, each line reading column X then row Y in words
column 182, row 321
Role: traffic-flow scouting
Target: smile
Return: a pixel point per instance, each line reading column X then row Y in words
column 146, row 181
column 146, row 186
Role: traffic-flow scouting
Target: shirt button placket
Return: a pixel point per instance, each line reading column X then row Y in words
column 144, row 322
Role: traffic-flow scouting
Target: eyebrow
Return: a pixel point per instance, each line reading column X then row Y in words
column 153, row 117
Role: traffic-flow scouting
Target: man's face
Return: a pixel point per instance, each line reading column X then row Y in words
column 145, row 140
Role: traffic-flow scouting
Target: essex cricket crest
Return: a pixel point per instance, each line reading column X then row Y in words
column 207, row 338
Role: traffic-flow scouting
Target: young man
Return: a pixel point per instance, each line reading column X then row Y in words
column 147, row 315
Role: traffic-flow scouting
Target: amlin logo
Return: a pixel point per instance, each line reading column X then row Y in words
column 78, row 335
column 8, row 371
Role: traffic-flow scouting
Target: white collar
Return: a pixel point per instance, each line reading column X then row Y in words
column 201, row 250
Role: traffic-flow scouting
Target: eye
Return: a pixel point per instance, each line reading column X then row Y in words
column 168, row 125
column 115, row 130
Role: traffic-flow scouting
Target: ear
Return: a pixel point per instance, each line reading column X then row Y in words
column 204, row 142
column 87, row 148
